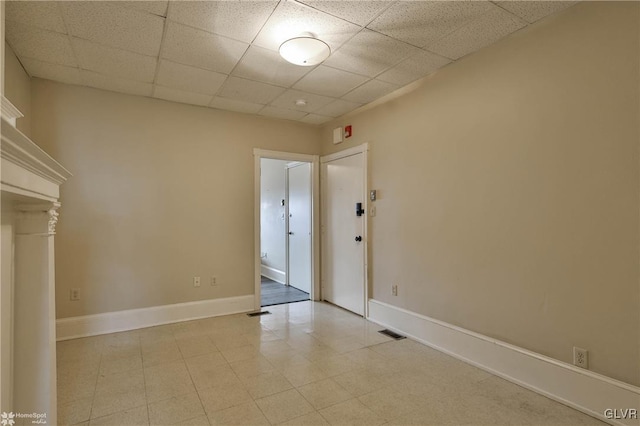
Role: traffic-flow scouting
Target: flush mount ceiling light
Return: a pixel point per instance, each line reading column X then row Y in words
column 305, row 50
column 301, row 102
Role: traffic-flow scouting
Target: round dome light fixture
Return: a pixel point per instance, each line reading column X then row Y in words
column 305, row 50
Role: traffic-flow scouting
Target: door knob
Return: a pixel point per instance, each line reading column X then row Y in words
column 358, row 238
column 290, row 233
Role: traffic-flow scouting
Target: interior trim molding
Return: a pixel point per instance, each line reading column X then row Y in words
column 584, row 390
column 273, row 274
column 132, row 319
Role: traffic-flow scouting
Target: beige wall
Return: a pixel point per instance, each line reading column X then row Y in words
column 508, row 190
column 161, row 192
column 17, row 88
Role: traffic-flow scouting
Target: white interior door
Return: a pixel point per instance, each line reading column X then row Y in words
column 299, row 196
column 343, row 233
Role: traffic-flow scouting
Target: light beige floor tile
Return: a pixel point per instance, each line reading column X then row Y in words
column 388, row 403
column 109, row 403
column 201, row 362
column 246, row 414
column 74, row 412
column 324, row 393
column 72, row 388
column 127, row 381
column 252, row 367
column 283, row 360
column 333, row 365
column 226, row 341
column 266, row 384
column 274, row 347
column 120, row 364
column 284, row 406
column 166, row 380
column 206, row 376
column 194, row 346
column 224, row 396
column 198, row 421
column 121, row 350
column 240, row 353
column 162, row 352
column 175, row 409
column 302, row 374
column 311, row 419
column 351, row 412
column 133, row 417
column 235, row 358
column 361, row 382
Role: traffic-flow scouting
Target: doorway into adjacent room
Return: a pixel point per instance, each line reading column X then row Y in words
column 286, row 223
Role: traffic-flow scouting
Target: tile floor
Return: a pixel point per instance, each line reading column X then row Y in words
column 306, row 364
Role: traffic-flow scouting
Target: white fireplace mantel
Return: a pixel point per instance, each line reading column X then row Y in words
column 30, row 186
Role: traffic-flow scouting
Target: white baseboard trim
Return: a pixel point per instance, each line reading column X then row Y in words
column 583, row 390
column 112, row 322
column 273, row 274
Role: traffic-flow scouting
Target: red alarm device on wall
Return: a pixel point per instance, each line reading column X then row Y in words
column 347, row 131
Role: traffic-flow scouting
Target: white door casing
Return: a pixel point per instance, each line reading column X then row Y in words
column 344, row 277
column 315, row 217
column 299, row 226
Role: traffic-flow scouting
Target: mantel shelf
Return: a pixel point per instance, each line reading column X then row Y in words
column 26, row 169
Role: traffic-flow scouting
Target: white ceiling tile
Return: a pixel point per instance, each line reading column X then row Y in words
column 267, row 66
column 358, row 12
column 370, row 91
column 201, row 49
column 181, row 96
column 329, row 81
column 413, row 68
column 369, row 53
column 532, row 11
column 42, row 14
column 115, row 62
column 150, row 6
column 100, row 81
column 423, row 22
column 189, row 79
column 313, row 102
column 287, row 114
column 40, row 44
column 53, row 72
column 233, row 105
column 114, row 26
column 290, row 20
column 482, row 32
column 249, row 91
column 338, row 107
column 233, row 19
column 315, row 119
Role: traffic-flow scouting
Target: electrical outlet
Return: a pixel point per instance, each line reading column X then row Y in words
column 196, row 281
column 214, row 281
column 74, row 294
column 580, row 357
column 394, row 290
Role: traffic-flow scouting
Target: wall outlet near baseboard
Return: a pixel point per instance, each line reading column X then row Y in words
column 196, row 281
column 74, row 294
column 394, row 289
column 580, row 357
column 214, row 281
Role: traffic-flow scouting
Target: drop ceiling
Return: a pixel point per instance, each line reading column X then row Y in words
column 224, row 54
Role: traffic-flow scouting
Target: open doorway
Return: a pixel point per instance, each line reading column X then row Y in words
column 286, row 222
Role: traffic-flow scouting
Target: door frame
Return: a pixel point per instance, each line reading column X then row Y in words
column 364, row 150
column 314, row 160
